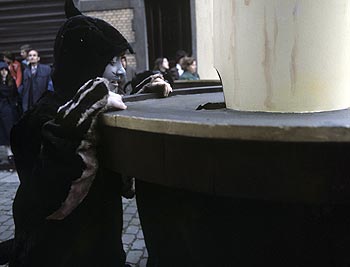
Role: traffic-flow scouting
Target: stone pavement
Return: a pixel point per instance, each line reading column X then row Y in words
column 133, row 240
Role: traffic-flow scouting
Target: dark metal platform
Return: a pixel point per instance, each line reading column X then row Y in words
column 276, row 184
column 284, row 157
column 177, row 115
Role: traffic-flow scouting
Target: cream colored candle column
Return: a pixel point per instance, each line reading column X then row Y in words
column 205, row 43
column 283, row 55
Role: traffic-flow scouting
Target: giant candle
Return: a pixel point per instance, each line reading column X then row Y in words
column 283, row 55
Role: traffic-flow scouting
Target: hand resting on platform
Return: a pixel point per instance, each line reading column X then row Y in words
column 115, row 101
column 157, row 84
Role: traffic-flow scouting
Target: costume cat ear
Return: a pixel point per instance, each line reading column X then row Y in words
column 70, row 9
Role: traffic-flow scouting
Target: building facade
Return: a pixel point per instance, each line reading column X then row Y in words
column 155, row 28
column 128, row 16
column 158, row 28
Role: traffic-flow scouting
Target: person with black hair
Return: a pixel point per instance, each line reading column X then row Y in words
column 8, row 110
column 68, row 209
column 176, row 71
column 156, row 80
column 36, row 81
column 14, row 67
column 161, row 65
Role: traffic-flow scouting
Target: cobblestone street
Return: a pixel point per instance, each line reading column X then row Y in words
column 133, row 239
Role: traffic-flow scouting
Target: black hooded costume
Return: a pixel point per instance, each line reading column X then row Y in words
column 67, row 211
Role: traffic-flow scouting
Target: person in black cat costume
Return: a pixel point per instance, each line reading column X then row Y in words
column 67, row 210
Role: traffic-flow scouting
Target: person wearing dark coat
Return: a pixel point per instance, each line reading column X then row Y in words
column 36, row 81
column 8, row 110
column 68, row 210
column 176, row 71
column 149, row 80
column 161, row 65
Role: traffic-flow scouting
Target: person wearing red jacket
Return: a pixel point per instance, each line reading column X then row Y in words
column 14, row 67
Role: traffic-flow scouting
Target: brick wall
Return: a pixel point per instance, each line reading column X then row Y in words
column 121, row 19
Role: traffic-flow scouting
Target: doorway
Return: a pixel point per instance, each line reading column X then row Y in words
column 168, row 28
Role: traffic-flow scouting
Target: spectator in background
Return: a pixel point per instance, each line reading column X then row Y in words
column 130, row 74
column 8, row 115
column 24, row 50
column 161, row 65
column 159, row 75
column 14, row 67
column 189, row 66
column 36, row 81
column 177, row 70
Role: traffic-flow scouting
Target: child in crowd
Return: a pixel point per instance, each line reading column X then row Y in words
column 189, row 66
column 161, row 65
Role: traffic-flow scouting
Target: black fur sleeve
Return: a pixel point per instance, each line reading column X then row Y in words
column 71, row 138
